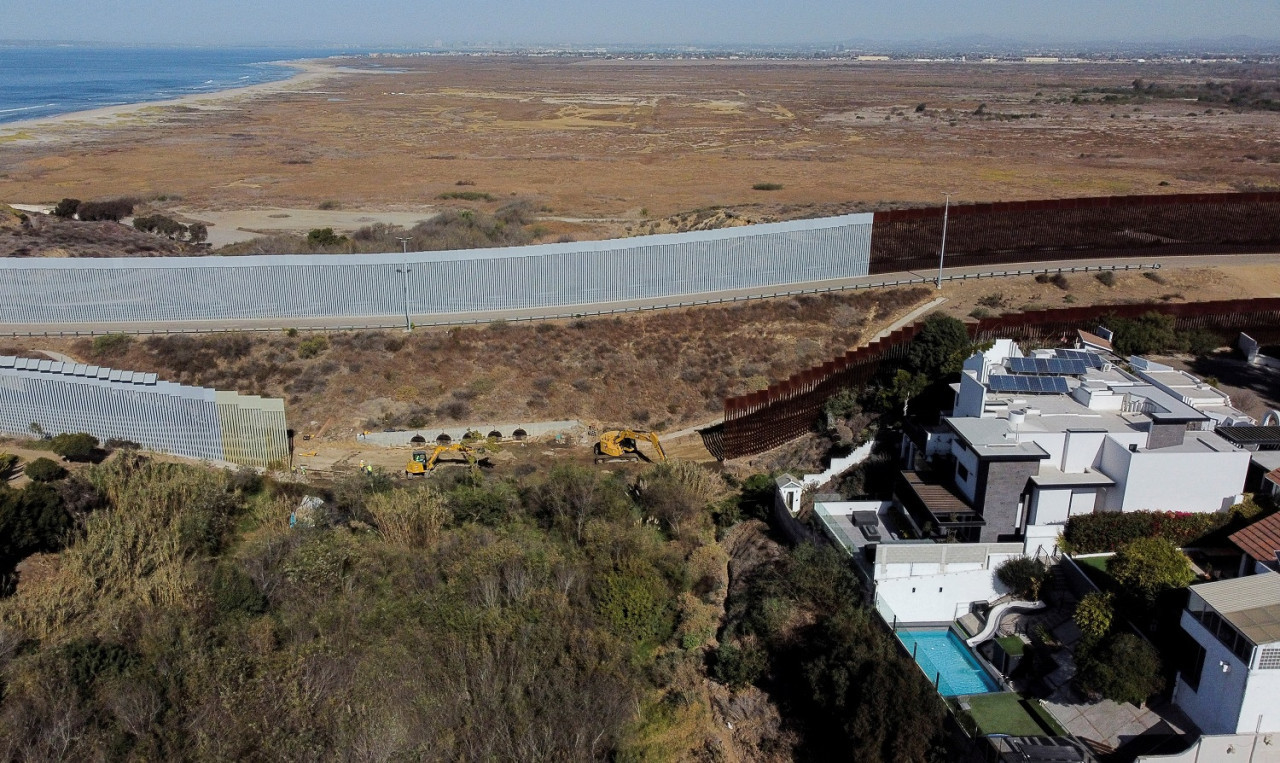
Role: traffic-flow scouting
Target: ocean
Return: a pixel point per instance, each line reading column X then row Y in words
column 38, row 81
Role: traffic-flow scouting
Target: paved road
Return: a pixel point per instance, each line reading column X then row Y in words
column 884, row 279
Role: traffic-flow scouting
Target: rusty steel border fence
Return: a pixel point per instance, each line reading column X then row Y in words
column 1089, row 227
column 760, row 421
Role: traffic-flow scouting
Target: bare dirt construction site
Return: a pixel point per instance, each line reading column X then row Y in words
column 617, row 147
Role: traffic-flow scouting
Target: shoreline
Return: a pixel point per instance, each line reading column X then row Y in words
column 308, row 70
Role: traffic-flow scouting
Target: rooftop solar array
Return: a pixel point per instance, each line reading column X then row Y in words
column 1090, row 359
column 1046, row 366
column 1035, row 385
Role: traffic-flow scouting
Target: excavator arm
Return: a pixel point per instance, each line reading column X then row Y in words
column 621, row 444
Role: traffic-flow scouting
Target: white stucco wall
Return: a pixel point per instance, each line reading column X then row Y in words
column 971, row 398
column 1261, row 707
column 937, row 598
column 1081, row 451
column 1049, row 506
column 1215, row 708
column 1160, row 480
column 969, row 460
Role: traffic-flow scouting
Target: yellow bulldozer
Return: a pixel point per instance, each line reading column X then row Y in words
column 620, row 445
column 421, row 463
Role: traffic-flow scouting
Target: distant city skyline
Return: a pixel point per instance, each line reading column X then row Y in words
column 652, row 22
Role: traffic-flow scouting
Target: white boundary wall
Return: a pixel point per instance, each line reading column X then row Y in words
column 150, row 289
column 108, row 403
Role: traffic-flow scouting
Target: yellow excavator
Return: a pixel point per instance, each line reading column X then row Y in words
column 620, row 445
column 421, row 463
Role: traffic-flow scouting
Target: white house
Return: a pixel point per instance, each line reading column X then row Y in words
column 1230, row 682
column 1035, row 440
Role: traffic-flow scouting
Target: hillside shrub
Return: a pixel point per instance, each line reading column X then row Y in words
column 1108, row 532
column 767, row 187
column 310, row 348
column 739, row 666
column 1106, row 278
column 114, row 210
column 44, row 470
column 8, row 462
column 66, row 208
column 74, row 447
column 111, row 345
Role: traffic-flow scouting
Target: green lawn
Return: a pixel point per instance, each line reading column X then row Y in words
column 1096, row 568
column 1007, row 713
column 1012, row 645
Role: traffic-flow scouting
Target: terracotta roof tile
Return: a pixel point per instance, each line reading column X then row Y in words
column 1261, row 539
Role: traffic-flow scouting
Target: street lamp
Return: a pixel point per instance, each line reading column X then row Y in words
column 943, row 254
column 408, row 325
column 404, row 243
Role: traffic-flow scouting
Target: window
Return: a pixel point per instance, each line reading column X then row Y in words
column 1193, row 664
column 962, row 472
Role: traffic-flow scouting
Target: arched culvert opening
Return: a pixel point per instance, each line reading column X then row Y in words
column 443, row 439
column 520, row 434
column 495, row 435
column 416, row 439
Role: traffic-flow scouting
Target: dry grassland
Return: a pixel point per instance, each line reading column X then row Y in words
column 609, row 145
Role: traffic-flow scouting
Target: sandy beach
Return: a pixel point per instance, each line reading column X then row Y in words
column 41, row 129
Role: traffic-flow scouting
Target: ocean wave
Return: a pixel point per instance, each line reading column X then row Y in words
column 29, row 108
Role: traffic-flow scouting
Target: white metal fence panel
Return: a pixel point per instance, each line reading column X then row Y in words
column 158, row 289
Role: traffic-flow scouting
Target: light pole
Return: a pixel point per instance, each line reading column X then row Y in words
column 404, row 243
column 946, row 209
column 408, row 324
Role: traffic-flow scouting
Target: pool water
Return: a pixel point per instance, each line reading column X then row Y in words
column 944, row 658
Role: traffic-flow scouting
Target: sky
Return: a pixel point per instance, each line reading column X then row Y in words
column 582, row 22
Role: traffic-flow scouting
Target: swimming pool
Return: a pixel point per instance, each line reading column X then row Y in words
column 945, row 659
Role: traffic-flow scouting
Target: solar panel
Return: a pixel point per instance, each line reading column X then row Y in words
column 1035, row 385
column 1046, row 366
column 1091, row 359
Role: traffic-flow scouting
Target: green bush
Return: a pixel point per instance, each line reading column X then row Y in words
column 738, row 667
column 1149, row 566
column 1111, row 531
column 637, row 605
column 111, row 345
column 234, row 592
column 44, row 470
column 1023, row 575
column 767, row 187
column 1123, row 668
column 1106, row 278
column 8, row 462
column 74, row 447
column 310, row 348
column 1095, row 615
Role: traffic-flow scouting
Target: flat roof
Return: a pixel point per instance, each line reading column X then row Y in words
column 1261, row 437
column 1051, row 477
column 1259, row 540
column 986, row 437
column 1266, row 459
column 1251, row 604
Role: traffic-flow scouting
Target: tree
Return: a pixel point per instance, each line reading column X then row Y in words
column 197, row 232
column 44, row 470
column 1023, row 575
column 1094, row 615
column 113, row 210
column 1124, row 668
column 67, row 208
column 74, row 447
column 939, row 348
column 1149, row 566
